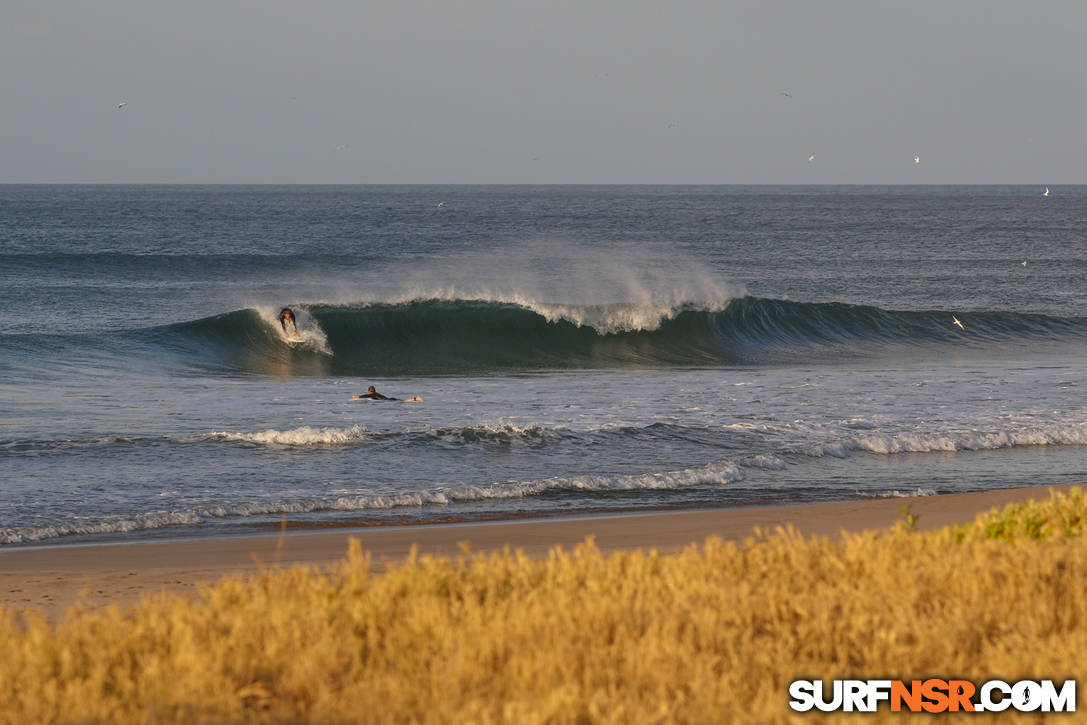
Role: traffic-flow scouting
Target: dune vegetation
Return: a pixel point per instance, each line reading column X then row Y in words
column 714, row 633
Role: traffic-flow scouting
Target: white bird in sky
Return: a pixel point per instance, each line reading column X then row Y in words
column 1046, row 192
column 1024, row 263
column 811, row 158
column 122, row 104
column 955, row 321
column 916, row 158
column 441, row 204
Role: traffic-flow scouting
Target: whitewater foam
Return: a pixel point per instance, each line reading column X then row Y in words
column 916, row 493
column 303, row 436
column 717, row 473
column 500, row 432
column 951, row 442
column 109, row 525
column 764, row 461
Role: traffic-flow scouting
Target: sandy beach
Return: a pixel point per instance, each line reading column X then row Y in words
column 48, row 580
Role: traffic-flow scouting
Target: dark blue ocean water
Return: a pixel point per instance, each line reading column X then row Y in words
column 579, row 350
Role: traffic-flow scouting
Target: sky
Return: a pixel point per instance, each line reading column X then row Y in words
column 543, row 91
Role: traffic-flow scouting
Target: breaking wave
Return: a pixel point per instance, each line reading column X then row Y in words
column 916, row 493
column 951, row 442
column 437, row 336
column 719, row 473
column 500, row 433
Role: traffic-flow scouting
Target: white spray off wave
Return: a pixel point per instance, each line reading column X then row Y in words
column 611, row 288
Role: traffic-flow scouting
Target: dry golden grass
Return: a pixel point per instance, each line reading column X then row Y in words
column 712, row 634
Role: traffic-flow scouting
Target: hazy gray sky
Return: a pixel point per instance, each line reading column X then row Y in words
column 562, row 91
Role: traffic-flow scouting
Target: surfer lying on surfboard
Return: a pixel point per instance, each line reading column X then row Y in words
column 372, row 394
column 288, row 321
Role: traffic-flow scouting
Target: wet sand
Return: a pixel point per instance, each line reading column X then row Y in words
column 48, row 580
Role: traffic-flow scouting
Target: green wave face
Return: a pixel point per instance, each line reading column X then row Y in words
column 478, row 337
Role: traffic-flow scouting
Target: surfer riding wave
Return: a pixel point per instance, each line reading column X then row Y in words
column 288, row 321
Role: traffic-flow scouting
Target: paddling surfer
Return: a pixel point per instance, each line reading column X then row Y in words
column 372, row 394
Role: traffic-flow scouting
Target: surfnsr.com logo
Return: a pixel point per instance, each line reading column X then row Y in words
column 933, row 695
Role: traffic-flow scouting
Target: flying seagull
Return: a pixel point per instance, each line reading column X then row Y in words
column 122, row 104
column 811, row 158
column 441, row 204
column 787, row 94
column 916, row 158
column 955, row 321
column 1024, row 263
column 1046, row 192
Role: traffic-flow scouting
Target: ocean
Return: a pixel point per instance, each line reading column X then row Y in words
column 581, row 350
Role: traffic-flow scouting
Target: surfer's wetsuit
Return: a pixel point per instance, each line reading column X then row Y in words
column 375, row 396
column 372, row 394
column 287, row 315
